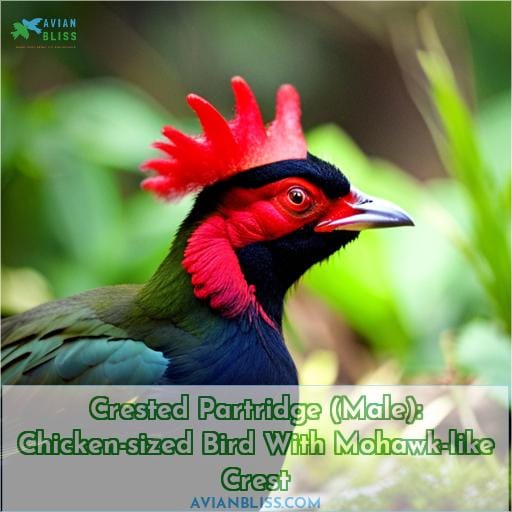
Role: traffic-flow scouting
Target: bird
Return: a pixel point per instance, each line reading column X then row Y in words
column 265, row 211
column 19, row 30
column 32, row 24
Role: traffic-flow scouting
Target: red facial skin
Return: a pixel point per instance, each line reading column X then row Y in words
column 244, row 217
column 341, row 208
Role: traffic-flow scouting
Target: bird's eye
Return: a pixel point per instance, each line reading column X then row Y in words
column 296, row 195
column 298, row 199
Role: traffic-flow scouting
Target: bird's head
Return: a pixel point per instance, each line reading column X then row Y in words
column 267, row 210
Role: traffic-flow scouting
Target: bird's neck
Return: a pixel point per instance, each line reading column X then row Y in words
column 202, row 279
column 168, row 295
column 256, row 344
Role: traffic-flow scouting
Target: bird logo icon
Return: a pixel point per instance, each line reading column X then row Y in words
column 23, row 29
column 32, row 24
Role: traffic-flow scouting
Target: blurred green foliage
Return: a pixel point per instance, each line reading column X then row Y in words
column 488, row 244
column 434, row 297
column 72, row 184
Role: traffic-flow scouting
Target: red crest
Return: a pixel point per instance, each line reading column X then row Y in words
column 226, row 148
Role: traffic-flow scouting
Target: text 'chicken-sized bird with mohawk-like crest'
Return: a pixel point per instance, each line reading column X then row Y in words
column 211, row 314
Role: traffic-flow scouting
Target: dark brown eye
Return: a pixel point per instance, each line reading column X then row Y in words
column 297, row 196
column 298, row 199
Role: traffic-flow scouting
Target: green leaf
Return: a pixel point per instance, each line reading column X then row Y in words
column 493, row 132
column 458, row 144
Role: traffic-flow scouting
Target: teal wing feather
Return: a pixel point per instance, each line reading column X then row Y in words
column 66, row 342
column 84, row 361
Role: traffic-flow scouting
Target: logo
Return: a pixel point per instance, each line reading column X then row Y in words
column 46, row 32
column 23, row 29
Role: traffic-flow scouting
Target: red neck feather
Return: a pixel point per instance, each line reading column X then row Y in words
column 215, row 271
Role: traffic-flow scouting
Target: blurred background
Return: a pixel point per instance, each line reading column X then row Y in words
column 412, row 100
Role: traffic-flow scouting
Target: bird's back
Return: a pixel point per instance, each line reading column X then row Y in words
column 105, row 336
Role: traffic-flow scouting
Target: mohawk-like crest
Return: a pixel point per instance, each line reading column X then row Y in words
column 226, row 147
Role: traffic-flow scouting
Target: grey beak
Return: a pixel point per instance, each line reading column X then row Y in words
column 357, row 211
